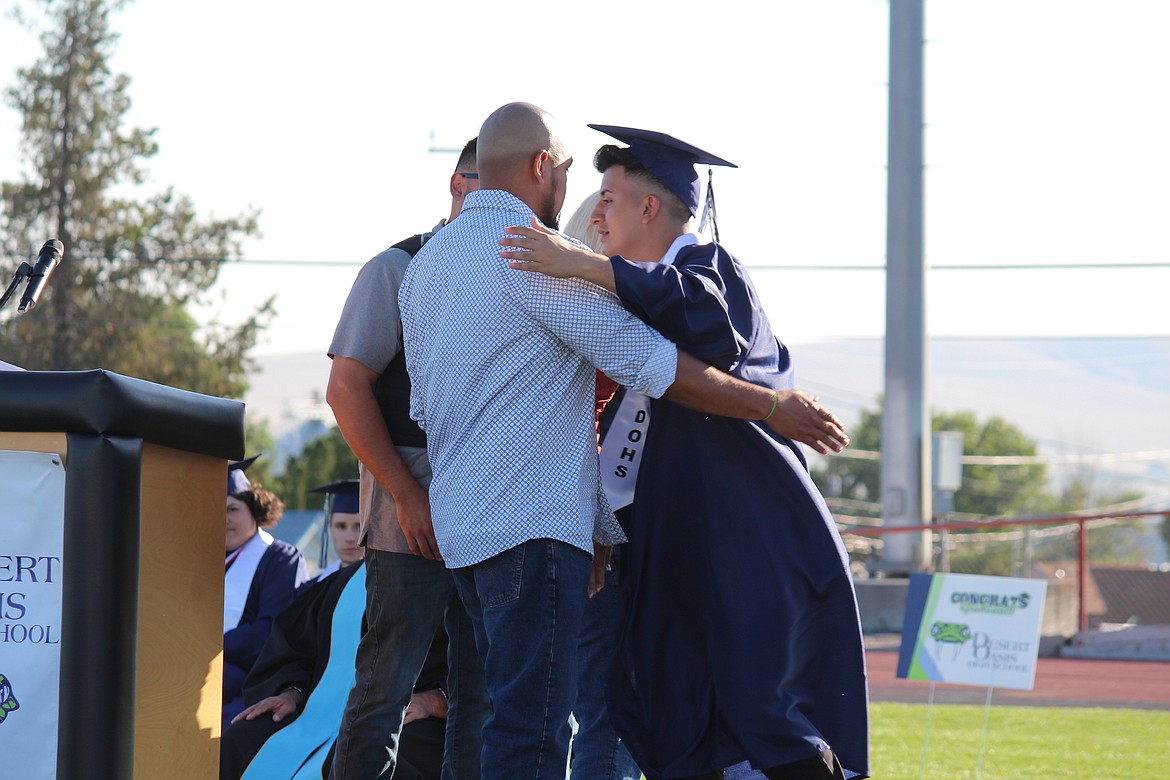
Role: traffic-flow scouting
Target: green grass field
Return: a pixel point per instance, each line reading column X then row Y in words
column 1022, row 743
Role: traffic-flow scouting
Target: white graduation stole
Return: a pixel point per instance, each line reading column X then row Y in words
column 329, row 570
column 238, row 579
column 298, row 750
column 622, row 447
column 624, row 442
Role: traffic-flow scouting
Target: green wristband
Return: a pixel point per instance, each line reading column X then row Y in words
column 775, row 400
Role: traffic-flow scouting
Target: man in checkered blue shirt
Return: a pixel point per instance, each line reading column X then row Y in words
column 502, row 370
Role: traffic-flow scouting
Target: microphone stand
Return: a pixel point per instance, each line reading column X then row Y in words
column 22, row 273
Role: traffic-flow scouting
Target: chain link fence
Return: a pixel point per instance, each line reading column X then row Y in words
column 1119, row 587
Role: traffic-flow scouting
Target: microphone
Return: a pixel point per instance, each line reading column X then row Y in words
column 47, row 260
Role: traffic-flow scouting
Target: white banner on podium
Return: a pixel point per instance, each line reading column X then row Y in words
column 32, row 528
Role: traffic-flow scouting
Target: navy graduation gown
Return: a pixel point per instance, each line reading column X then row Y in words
column 742, row 639
column 279, row 573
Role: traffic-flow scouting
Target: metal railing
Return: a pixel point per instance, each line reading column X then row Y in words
column 941, row 530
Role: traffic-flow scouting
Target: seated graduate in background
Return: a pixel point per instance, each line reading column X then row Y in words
column 261, row 576
column 298, row 687
column 343, row 525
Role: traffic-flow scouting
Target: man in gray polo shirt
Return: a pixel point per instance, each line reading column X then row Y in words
column 409, row 591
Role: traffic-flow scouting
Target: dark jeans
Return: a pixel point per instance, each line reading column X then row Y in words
column 526, row 605
column 407, row 598
column 598, row 752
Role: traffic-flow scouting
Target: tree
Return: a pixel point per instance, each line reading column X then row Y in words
column 987, row 490
column 118, row 299
column 990, row 490
column 856, row 480
column 259, row 441
column 1165, row 529
column 323, row 460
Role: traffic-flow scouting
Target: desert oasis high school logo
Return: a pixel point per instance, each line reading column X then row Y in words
column 954, row 634
column 8, row 702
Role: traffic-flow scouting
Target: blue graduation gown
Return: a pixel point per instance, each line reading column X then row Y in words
column 298, row 652
column 279, row 573
column 741, row 639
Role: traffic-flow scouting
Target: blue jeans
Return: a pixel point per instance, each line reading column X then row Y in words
column 407, row 599
column 598, row 752
column 526, row 605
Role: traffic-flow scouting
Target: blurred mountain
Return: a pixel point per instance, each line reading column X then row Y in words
column 1076, row 397
column 1104, row 395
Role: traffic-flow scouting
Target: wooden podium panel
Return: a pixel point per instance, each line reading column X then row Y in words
column 36, row 442
column 180, row 615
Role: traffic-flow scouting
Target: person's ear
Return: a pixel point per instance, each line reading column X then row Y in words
column 539, row 161
column 456, row 186
column 651, row 205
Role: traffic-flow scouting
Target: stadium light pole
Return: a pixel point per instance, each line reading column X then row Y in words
column 905, row 464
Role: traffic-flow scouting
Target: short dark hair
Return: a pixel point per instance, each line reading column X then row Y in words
column 265, row 507
column 467, row 156
column 610, row 155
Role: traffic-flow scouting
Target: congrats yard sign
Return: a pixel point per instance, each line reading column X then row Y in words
column 971, row 629
column 32, row 521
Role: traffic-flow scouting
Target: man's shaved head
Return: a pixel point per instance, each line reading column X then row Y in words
column 513, row 134
column 521, row 152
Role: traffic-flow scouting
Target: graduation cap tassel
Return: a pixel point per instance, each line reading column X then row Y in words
column 709, row 217
column 323, row 558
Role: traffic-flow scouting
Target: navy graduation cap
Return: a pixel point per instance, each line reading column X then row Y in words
column 340, row 496
column 238, row 481
column 344, row 495
column 669, row 159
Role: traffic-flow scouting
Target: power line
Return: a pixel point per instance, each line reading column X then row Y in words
column 750, row 266
column 1027, row 460
column 965, row 267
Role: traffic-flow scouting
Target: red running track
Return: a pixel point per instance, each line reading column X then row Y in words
column 1060, row 682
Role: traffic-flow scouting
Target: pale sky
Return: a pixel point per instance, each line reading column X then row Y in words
column 1046, row 140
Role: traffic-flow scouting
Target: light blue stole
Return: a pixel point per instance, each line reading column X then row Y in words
column 298, row 750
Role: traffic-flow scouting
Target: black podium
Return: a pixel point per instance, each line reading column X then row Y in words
column 141, row 644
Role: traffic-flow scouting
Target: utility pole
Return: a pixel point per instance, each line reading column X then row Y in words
column 905, row 482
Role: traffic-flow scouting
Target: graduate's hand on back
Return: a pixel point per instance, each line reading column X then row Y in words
column 800, row 417
column 548, row 252
column 283, row 706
